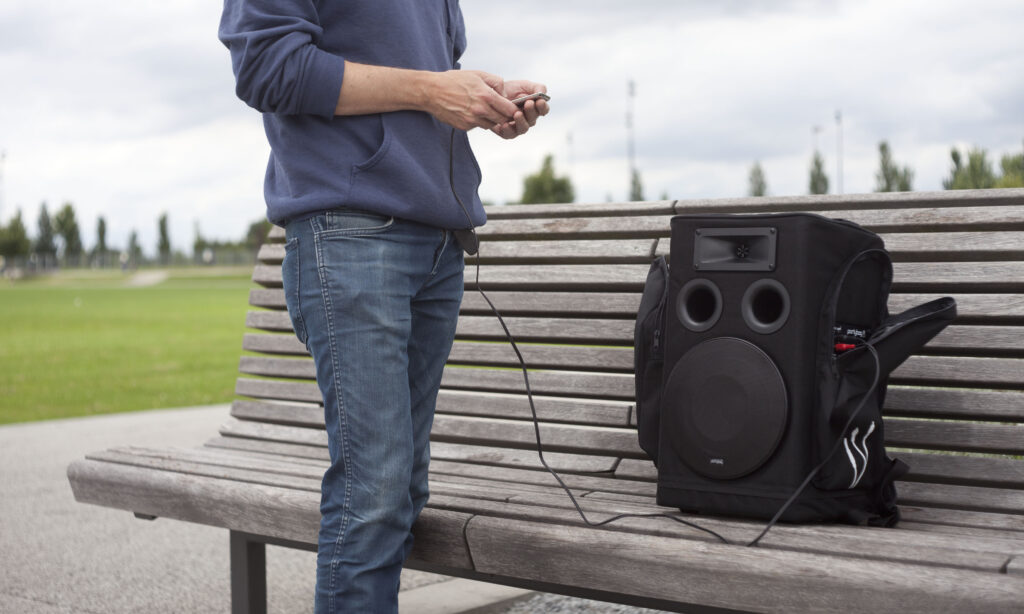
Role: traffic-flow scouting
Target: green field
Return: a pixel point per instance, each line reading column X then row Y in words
column 89, row 342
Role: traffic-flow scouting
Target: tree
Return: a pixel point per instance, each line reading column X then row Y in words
column 976, row 174
column 67, row 227
column 14, row 242
column 199, row 244
column 101, row 241
column 134, row 250
column 544, row 187
column 890, row 177
column 1013, row 171
column 257, row 234
column 163, row 246
column 45, row 247
column 636, row 187
column 819, row 180
column 756, row 183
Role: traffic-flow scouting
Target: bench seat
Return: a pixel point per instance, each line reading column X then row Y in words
column 567, row 279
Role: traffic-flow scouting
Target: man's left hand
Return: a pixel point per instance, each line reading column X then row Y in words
column 526, row 117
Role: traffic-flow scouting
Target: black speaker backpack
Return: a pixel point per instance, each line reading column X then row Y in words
column 762, row 356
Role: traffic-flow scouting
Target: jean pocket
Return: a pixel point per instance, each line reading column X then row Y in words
column 352, row 222
column 290, row 278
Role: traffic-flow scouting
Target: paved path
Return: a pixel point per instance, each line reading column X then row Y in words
column 58, row 556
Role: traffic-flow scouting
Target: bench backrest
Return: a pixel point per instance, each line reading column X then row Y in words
column 568, row 278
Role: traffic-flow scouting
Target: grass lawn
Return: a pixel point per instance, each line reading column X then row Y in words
column 88, row 342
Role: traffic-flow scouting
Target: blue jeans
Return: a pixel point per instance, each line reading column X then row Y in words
column 375, row 299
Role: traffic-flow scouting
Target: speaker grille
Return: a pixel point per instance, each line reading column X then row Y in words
column 725, row 408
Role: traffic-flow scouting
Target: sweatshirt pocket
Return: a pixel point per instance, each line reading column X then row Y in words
column 409, row 175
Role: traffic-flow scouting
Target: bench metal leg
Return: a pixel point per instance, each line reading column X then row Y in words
column 248, row 575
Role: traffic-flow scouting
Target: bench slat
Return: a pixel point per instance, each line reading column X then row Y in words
column 549, row 409
column 974, row 308
column 921, row 402
column 887, row 220
column 968, row 498
column 921, row 370
column 978, row 370
column 769, row 204
column 622, row 442
column 552, row 505
column 871, row 545
column 909, row 277
column 955, row 436
column 276, row 512
column 932, row 468
column 902, row 246
column 284, row 449
column 723, row 576
column 970, row 339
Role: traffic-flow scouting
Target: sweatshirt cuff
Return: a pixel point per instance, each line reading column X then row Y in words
column 323, row 78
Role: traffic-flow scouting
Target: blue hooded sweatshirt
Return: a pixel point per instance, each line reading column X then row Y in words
column 289, row 56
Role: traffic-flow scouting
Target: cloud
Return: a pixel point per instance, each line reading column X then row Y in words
column 129, row 110
column 718, row 88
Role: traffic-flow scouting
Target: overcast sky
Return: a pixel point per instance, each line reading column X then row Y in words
column 128, row 110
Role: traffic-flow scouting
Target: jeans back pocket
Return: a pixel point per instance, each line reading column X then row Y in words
column 291, row 280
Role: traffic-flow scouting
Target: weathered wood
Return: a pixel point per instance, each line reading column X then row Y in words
column 561, row 252
column 274, row 344
column 291, row 414
column 888, row 220
column 610, row 386
column 549, row 409
column 986, row 551
column 991, row 340
column 284, row 513
column 974, row 498
column 971, row 308
column 908, row 277
column 955, row 436
column 940, row 370
column 727, row 576
column 963, row 470
column 946, row 199
column 523, row 459
column 289, row 450
column 306, row 392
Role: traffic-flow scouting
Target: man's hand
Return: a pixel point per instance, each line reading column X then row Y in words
column 526, row 116
column 469, row 99
column 464, row 99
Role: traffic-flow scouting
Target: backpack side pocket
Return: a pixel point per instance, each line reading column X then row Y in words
column 649, row 356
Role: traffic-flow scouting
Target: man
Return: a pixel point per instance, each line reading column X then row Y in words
column 370, row 172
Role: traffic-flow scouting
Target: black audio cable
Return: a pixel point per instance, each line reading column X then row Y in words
column 526, row 375
column 474, row 243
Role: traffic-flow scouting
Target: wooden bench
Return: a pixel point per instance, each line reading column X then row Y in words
column 568, row 279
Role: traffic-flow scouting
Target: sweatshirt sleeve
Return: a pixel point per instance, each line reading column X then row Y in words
column 278, row 65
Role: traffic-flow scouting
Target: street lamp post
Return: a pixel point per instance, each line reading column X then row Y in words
column 839, row 150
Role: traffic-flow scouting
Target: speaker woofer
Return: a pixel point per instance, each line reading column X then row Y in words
column 765, row 306
column 699, row 305
column 725, row 407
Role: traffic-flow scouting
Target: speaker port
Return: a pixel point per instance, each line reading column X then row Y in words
column 699, row 305
column 765, row 306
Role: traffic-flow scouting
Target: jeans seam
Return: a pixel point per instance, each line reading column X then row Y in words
column 342, row 430
column 446, row 237
column 300, row 323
